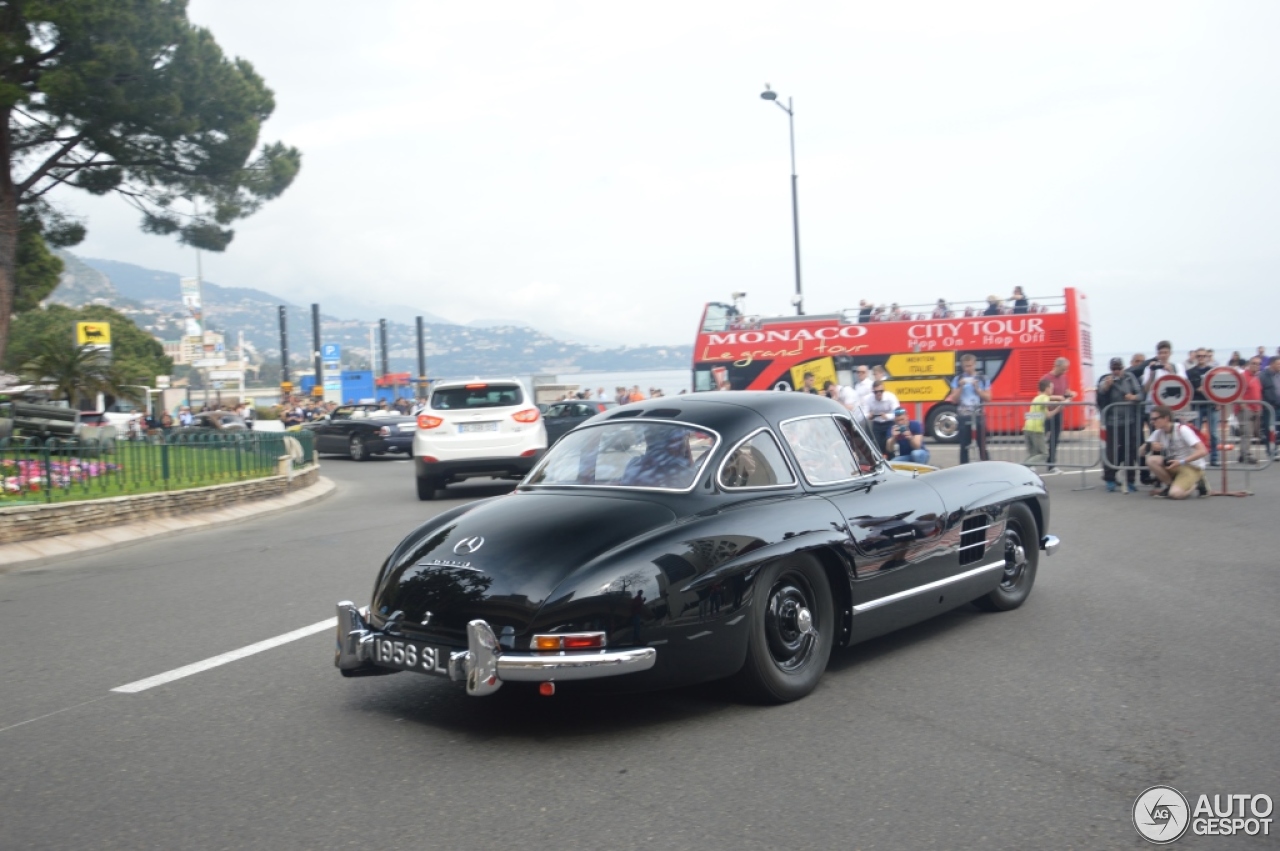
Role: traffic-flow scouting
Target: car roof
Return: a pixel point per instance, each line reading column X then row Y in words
column 463, row 382
column 728, row 412
column 725, row 406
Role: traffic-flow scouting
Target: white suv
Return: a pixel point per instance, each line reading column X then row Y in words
column 476, row 428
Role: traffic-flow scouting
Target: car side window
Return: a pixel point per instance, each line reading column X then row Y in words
column 867, row 457
column 821, row 450
column 343, row 413
column 757, row 462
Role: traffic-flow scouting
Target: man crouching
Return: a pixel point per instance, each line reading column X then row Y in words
column 1177, row 456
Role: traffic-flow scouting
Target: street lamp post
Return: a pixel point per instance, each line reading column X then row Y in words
column 769, row 94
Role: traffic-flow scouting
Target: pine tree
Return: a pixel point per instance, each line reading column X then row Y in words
column 126, row 96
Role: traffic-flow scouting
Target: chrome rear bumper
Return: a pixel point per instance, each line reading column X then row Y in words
column 485, row 665
column 1050, row 544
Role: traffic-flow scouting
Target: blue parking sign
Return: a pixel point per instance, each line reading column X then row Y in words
column 331, row 351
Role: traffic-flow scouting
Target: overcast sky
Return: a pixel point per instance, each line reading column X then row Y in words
column 600, row 170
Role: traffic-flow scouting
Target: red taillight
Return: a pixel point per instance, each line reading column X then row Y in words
column 428, row 459
column 477, row 386
column 427, row 421
column 528, row 415
column 528, row 453
column 569, row 641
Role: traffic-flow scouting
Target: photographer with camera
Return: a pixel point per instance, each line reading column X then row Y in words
column 1120, row 401
column 1157, row 366
column 969, row 391
column 1176, row 456
column 906, row 440
column 1161, row 364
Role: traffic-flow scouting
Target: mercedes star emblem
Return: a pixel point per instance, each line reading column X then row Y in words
column 468, row 545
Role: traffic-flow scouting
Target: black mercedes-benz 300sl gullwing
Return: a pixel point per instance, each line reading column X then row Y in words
column 732, row 535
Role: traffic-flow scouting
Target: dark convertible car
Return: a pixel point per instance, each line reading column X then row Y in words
column 562, row 417
column 362, row 431
column 720, row 535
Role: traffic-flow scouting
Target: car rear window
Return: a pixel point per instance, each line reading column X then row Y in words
column 474, row 396
column 665, row 456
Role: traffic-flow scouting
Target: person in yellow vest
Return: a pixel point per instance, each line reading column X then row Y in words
column 1033, row 425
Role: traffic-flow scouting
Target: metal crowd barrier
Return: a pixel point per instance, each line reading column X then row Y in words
column 56, row 469
column 1071, row 438
column 1234, row 433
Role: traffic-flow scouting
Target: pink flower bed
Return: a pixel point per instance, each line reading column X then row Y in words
column 20, row 476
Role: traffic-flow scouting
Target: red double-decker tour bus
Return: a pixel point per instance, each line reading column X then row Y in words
column 920, row 348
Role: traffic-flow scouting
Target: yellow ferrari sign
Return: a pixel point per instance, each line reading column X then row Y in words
column 923, row 390
column 823, row 369
column 921, row 363
column 93, row 333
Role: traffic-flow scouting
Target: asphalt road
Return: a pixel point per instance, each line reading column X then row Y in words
column 1146, row 655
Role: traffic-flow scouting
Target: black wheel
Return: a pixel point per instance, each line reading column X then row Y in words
column 1021, row 555
column 356, row 449
column 792, row 628
column 427, row 488
column 943, row 424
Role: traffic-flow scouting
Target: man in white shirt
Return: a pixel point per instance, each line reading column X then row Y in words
column 862, row 386
column 879, row 411
column 1179, row 464
column 844, row 395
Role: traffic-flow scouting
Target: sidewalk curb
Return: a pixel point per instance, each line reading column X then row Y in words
column 40, row 552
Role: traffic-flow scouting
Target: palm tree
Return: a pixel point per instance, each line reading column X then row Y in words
column 74, row 371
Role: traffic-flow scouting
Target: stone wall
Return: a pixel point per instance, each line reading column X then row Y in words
column 28, row 522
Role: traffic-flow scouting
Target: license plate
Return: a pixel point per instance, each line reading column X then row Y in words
column 410, row 656
column 469, row 428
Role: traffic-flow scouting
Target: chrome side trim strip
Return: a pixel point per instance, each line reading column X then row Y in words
column 911, row 592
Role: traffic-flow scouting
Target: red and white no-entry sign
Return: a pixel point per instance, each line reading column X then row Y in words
column 1223, row 385
column 1172, row 391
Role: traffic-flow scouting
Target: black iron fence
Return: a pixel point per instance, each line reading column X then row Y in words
column 1239, row 437
column 56, row 469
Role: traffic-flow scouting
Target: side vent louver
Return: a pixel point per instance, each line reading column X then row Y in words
column 973, row 538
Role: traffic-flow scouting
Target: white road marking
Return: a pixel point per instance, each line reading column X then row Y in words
column 215, row 661
column 51, row 714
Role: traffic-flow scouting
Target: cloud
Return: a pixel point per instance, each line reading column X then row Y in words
column 612, row 168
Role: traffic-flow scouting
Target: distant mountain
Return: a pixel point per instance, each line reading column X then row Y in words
column 153, row 300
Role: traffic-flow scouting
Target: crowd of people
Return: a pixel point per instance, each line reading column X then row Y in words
column 1173, row 455
column 1143, row 439
column 622, row 395
column 1017, row 303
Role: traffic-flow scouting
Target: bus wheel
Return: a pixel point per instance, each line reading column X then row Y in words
column 943, row 424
